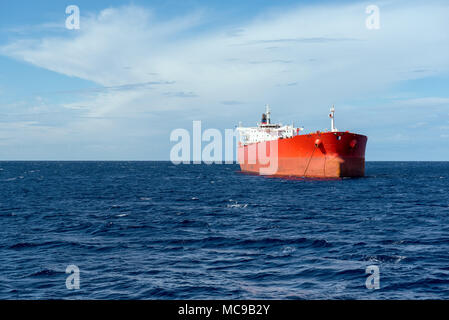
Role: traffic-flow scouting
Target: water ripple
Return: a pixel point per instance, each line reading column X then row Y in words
column 152, row 230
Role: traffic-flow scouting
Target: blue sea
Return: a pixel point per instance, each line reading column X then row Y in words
column 154, row 230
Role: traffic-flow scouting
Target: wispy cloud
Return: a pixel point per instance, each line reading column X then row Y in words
column 426, row 102
column 126, row 44
column 123, row 87
column 26, row 30
column 181, row 94
column 300, row 60
column 231, row 102
column 301, row 40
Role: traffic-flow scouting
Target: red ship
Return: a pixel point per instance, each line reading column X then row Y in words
column 274, row 149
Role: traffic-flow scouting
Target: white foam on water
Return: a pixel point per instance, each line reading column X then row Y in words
column 237, row 205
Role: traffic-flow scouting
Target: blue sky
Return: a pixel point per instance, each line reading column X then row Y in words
column 136, row 70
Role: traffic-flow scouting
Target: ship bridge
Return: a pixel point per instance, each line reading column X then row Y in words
column 266, row 131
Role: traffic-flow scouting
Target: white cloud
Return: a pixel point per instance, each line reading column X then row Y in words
column 426, row 102
column 297, row 60
column 329, row 49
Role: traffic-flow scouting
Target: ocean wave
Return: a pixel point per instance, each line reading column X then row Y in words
column 136, row 231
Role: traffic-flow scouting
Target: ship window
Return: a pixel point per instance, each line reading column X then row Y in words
column 338, row 137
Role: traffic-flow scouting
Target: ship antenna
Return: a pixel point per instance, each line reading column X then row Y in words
column 332, row 116
column 268, row 113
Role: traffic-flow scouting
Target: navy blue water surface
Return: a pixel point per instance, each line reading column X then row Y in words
column 153, row 230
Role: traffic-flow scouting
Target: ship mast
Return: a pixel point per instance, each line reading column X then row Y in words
column 268, row 113
column 332, row 116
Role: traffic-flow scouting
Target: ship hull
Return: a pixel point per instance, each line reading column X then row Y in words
column 317, row 155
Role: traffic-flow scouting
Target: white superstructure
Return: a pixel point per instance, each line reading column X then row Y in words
column 266, row 131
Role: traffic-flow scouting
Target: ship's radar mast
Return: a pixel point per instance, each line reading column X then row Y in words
column 268, row 113
column 332, row 116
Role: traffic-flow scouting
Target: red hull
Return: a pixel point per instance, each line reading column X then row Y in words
column 318, row 155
